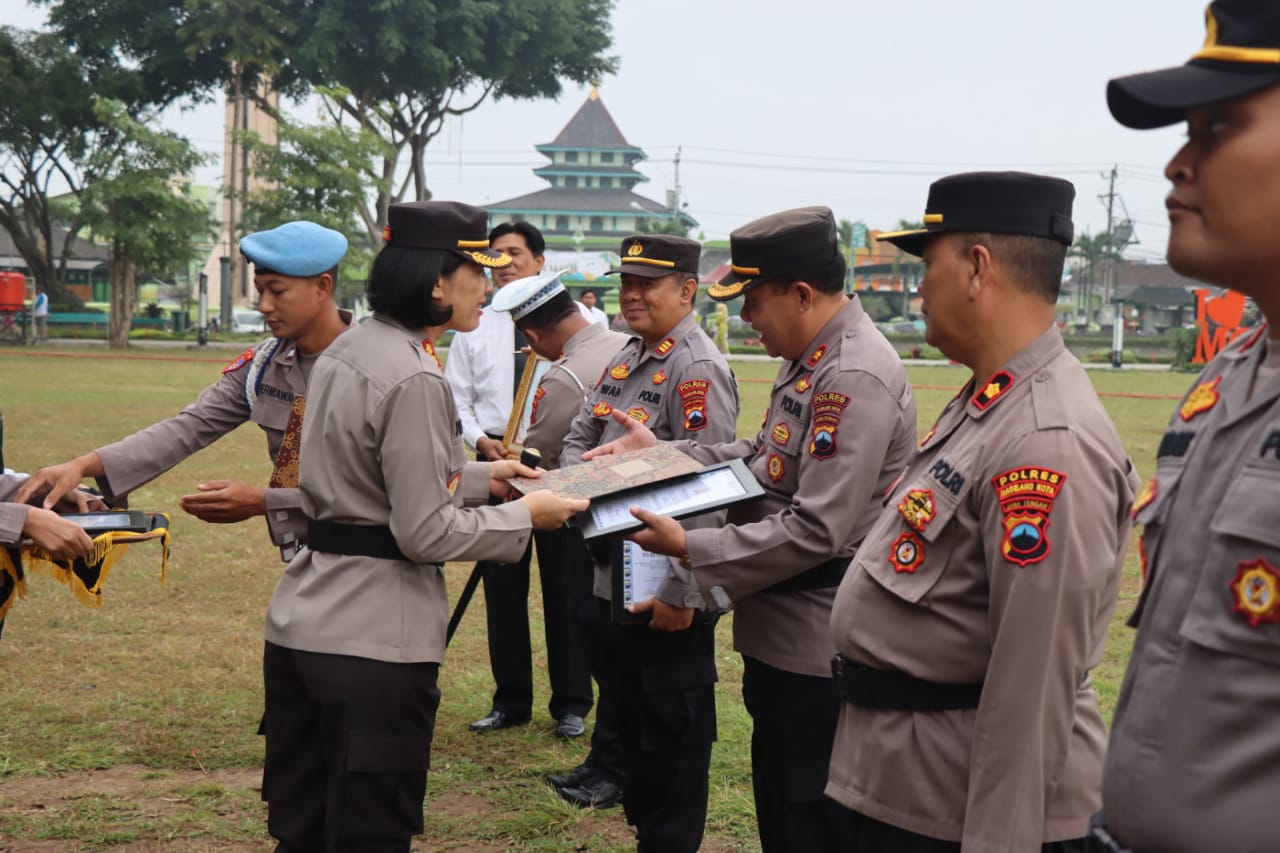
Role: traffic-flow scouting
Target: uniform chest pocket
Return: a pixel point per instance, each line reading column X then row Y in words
column 271, row 412
column 785, row 434
column 915, row 546
column 1235, row 608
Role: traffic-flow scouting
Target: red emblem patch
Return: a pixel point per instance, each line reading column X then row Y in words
column 1145, row 496
column 638, row 414
column 665, row 347
column 1257, row 591
column 804, row 384
column 775, row 467
column 454, row 481
column 693, row 394
column 906, row 554
column 430, row 349
column 781, row 434
column 827, row 409
column 917, row 508
column 240, row 361
column 817, row 356
column 1026, row 498
column 659, row 377
column 537, row 398
column 601, row 409
column 620, row 371
column 1202, row 399
column 995, row 388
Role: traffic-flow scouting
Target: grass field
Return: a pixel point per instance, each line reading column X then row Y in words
column 133, row 726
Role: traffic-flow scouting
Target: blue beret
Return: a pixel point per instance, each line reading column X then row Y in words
column 299, row 249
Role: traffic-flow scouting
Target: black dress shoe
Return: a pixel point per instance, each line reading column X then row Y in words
column 498, row 720
column 599, row 794
column 570, row 726
column 575, row 777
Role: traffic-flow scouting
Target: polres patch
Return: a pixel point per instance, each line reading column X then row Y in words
column 827, row 410
column 693, row 397
column 1026, row 496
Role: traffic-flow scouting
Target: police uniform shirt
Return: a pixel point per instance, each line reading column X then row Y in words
column 680, row 388
column 221, row 407
column 13, row 517
column 840, row 427
column 1194, row 757
column 381, row 447
column 481, row 373
column 996, row 561
column 559, row 395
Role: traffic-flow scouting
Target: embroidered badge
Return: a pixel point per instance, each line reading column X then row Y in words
column 638, row 414
column 240, row 361
column 659, row 377
column 775, row 467
column 804, row 384
column 1026, row 498
column 1257, row 590
column 1145, row 496
column 827, row 409
column 693, row 394
column 1202, row 399
column 917, row 508
column 817, row 356
column 635, row 249
column 906, row 554
column 995, row 388
column 601, row 409
column 454, row 481
column 620, row 371
column 430, row 349
column 781, row 434
column 533, row 409
column 665, row 347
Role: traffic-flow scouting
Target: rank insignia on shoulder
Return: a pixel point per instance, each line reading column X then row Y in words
column 537, row 398
column 430, row 349
column 817, row 356
column 1026, row 498
column 906, row 554
column 781, row 434
column 665, row 347
column 601, row 409
column 804, row 384
column 239, row 361
column 917, row 508
column 928, row 435
column 454, row 481
column 996, row 386
column 776, row 470
column 1202, row 399
column 659, row 377
column 693, row 396
column 1257, row 592
column 827, row 410
column 1145, row 496
column 620, row 371
column 638, row 414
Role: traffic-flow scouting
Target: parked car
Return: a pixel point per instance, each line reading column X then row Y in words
column 248, row 321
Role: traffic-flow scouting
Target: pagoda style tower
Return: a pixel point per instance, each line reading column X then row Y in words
column 592, row 176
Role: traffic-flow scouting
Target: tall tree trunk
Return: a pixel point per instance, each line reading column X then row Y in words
column 121, row 296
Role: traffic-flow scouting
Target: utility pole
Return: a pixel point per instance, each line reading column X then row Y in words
column 1108, row 280
column 675, row 207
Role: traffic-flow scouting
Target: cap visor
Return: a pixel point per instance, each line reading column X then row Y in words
column 911, row 242
column 1160, row 98
column 727, row 288
column 489, row 258
column 642, row 270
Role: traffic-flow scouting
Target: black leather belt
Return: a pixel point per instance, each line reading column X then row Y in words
column 898, row 691
column 358, row 540
column 1100, row 839
column 822, row 576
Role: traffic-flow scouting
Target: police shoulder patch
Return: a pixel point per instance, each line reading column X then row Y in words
column 828, row 407
column 1026, row 496
column 240, row 361
column 693, row 397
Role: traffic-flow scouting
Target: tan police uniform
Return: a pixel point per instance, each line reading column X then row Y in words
column 13, row 517
column 259, row 386
column 994, row 568
column 1194, row 758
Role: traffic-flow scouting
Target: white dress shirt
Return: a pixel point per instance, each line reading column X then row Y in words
column 593, row 315
column 480, row 370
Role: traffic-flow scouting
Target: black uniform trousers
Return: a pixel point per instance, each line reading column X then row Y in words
column 348, row 744
column 506, row 602
column 873, row 836
column 793, row 729
column 599, row 638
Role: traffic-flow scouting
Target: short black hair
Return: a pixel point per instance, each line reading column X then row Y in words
column 1035, row 263
column 401, row 281
column 549, row 314
column 532, row 236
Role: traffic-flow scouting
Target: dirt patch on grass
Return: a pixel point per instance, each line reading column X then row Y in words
column 127, row 781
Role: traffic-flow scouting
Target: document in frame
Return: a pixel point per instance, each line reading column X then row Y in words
column 637, row 576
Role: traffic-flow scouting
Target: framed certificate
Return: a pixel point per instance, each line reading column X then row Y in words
column 695, row 493
column 637, row 574
column 535, row 367
column 94, row 523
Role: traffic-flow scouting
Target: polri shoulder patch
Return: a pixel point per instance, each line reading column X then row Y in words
column 240, row 361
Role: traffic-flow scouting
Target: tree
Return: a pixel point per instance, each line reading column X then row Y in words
column 136, row 207
column 1092, row 250
column 662, row 226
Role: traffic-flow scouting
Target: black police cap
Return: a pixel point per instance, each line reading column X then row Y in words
column 1240, row 56
column 656, row 255
column 777, row 246
column 449, row 226
column 995, row 203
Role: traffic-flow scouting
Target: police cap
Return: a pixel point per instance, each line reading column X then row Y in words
column 656, row 255
column 777, row 246
column 449, row 226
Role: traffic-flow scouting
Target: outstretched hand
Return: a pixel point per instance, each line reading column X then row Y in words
column 224, row 502
column 637, row 437
column 660, row 534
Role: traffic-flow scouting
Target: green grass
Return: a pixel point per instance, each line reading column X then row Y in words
column 133, row 726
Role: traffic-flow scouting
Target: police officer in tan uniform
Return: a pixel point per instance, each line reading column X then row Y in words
column 979, row 601
column 1193, row 763
column 356, row 627
column 295, row 273
column 656, row 685
column 840, row 427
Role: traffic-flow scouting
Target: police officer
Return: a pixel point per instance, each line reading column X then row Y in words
column 840, row 427
column 979, row 601
column 656, row 683
column 356, row 628
column 1194, row 757
column 295, row 273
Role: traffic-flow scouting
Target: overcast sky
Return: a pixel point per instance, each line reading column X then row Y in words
column 850, row 104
